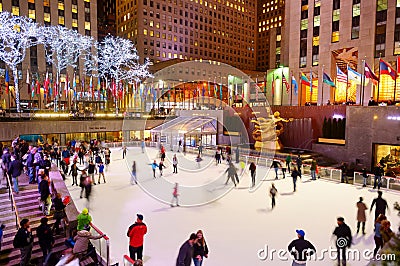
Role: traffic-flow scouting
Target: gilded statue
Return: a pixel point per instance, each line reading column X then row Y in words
column 263, row 132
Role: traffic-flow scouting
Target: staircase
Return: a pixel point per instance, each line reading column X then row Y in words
column 27, row 206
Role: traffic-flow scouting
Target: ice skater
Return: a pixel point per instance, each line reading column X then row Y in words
column 272, row 192
column 175, row 195
column 175, row 164
column 343, row 240
column 161, row 166
column 295, row 174
column 231, row 174
column 361, row 217
column 365, row 176
column 301, row 249
column 276, row 164
column 143, row 145
column 133, row 177
column 124, row 149
column 101, row 172
column 198, row 160
column 154, row 166
column 381, row 205
column 252, row 170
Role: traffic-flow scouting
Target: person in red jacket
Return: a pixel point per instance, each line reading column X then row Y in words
column 136, row 234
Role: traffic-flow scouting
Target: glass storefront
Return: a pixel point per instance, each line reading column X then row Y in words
column 389, row 155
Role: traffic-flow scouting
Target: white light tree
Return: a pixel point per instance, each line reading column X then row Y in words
column 17, row 34
column 118, row 59
column 63, row 48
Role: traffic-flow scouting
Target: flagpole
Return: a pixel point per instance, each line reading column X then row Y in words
column 347, row 81
column 395, row 83
column 322, row 89
column 301, row 90
column 379, row 83
column 363, row 84
column 291, row 88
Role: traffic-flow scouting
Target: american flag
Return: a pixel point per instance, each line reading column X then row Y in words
column 340, row 76
column 285, row 83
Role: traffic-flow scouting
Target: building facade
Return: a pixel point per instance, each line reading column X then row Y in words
column 270, row 23
column 106, row 13
column 223, row 31
column 78, row 15
column 324, row 35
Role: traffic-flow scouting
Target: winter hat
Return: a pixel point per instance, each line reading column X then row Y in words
column 140, row 217
column 301, row 233
column 23, row 222
column 85, row 211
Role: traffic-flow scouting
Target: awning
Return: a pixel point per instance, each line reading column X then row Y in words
column 188, row 125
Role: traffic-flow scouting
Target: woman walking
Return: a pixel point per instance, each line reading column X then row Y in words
column 200, row 249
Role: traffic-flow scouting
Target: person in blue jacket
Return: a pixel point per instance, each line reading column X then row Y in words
column 154, row 166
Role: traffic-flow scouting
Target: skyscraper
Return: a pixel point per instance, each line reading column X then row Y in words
column 218, row 30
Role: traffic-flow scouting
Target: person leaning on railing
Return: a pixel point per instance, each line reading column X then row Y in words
column 82, row 242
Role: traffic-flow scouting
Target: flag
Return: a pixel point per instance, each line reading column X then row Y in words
column 340, row 76
column 220, row 91
column 370, row 74
column 265, row 84
column 387, row 69
column 304, row 79
column 33, row 88
column 7, row 81
column 328, row 80
column 257, row 89
column 284, row 80
column 398, row 63
column 354, row 75
column 27, row 81
column 46, row 83
column 66, row 87
column 295, row 85
column 273, row 85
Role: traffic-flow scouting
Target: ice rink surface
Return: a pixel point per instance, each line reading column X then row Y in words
column 237, row 226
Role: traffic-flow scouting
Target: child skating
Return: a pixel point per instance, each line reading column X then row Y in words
column 175, row 195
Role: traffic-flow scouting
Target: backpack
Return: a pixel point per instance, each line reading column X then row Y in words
column 17, row 241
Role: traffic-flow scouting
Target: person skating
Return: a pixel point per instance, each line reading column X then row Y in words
column 231, row 174
column 218, row 155
column 252, row 170
column 142, row 145
column 295, row 174
column 162, row 151
column 74, row 173
column 82, row 181
column 380, row 205
column 276, row 164
column 45, row 236
column 175, row 196
column 161, row 166
column 200, row 249
column 24, row 241
column 299, row 163
column 386, row 232
column 175, row 164
column 301, row 249
column 91, row 170
column 288, row 160
column 198, row 160
column 101, row 172
column 185, row 254
column 124, row 149
column 133, row 178
column 136, row 234
column 343, row 240
column 361, row 217
column 272, row 192
column 377, row 233
column 154, row 166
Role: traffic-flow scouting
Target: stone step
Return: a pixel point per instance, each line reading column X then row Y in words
column 11, row 255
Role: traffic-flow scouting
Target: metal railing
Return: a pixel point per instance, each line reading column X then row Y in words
column 102, row 245
column 127, row 261
column 13, row 203
column 388, row 182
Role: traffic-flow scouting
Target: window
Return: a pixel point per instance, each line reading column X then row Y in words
column 381, row 5
column 61, row 20
column 46, row 17
column 304, row 24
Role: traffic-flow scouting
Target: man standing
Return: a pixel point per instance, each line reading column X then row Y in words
column 288, row 160
column 136, row 234
column 45, row 236
column 175, row 164
column 45, row 197
column 300, row 249
column 186, row 252
column 24, row 241
column 295, row 174
column 378, row 172
column 361, row 217
column 15, row 171
column 343, row 240
column 381, row 205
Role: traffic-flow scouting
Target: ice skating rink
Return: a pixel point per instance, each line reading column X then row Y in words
column 237, row 226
